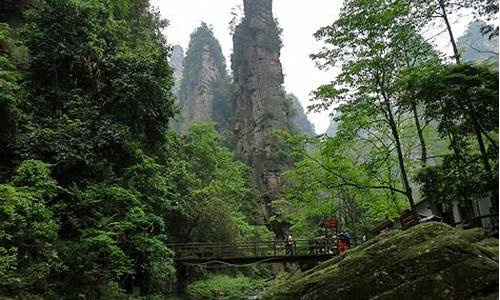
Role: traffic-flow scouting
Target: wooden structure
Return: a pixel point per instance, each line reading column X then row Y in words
column 408, row 219
column 244, row 253
column 386, row 224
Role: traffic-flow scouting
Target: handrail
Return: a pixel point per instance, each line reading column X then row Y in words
column 257, row 249
column 232, row 243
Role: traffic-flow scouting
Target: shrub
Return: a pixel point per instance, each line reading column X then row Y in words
column 224, row 287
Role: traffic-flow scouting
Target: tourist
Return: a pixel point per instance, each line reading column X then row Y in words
column 342, row 245
column 348, row 239
column 286, row 242
column 289, row 244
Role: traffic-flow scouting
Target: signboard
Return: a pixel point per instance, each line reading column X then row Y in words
column 330, row 223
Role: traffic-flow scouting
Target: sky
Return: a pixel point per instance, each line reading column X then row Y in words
column 299, row 20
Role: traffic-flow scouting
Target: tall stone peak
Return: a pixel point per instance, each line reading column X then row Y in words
column 258, row 10
column 333, row 128
column 177, row 64
column 177, row 57
column 260, row 105
column 205, row 85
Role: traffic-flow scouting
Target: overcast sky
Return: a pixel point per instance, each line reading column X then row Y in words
column 299, row 20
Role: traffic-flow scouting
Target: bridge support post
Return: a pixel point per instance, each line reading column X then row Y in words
column 181, row 275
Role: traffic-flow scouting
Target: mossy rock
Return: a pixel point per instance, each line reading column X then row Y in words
column 428, row 261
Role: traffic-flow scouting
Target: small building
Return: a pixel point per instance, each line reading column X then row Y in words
column 481, row 213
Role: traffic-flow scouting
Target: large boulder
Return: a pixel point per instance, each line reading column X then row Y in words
column 428, row 261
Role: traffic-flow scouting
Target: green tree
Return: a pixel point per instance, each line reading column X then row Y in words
column 98, row 101
column 28, row 231
column 11, row 96
column 220, row 201
column 464, row 99
column 375, row 43
column 347, row 177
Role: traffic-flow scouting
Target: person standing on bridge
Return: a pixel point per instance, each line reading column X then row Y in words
column 288, row 244
column 342, row 245
column 348, row 239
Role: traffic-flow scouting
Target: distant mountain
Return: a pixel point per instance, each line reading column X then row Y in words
column 334, row 126
column 177, row 62
column 299, row 117
column 476, row 47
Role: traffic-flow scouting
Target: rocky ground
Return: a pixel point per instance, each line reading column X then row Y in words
column 428, row 261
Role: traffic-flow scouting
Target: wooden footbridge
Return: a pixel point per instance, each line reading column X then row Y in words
column 254, row 252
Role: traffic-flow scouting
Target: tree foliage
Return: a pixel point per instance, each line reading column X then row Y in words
column 376, row 45
column 210, row 211
column 94, row 185
column 464, row 99
column 409, row 126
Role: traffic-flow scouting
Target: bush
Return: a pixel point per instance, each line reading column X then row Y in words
column 224, row 287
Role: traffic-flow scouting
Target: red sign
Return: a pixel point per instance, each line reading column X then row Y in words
column 330, row 223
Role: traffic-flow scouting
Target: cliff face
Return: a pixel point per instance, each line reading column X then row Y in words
column 299, row 118
column 331, row 131
column 260, row 105
column 477, row 48
column 177, row 64
column 198, row 106
column 205, row 87
column 334, row 125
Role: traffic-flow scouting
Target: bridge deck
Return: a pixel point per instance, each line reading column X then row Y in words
column 262, row 251
column 251, row 260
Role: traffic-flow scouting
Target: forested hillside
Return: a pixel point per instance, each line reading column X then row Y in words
column 130, row 170
column 94, row 184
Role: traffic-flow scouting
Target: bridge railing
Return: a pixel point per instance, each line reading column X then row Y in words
column 253, row 249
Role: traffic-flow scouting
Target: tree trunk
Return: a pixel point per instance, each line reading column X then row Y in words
column 490, row 139
column 450, row 31
column 402, row 168
column 467, row 215
column 486, row 163
column 350, row 205
column 420, row 132
column 482, row 148
column 394, row 199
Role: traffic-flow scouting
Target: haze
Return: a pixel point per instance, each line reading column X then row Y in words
column 299, row 20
